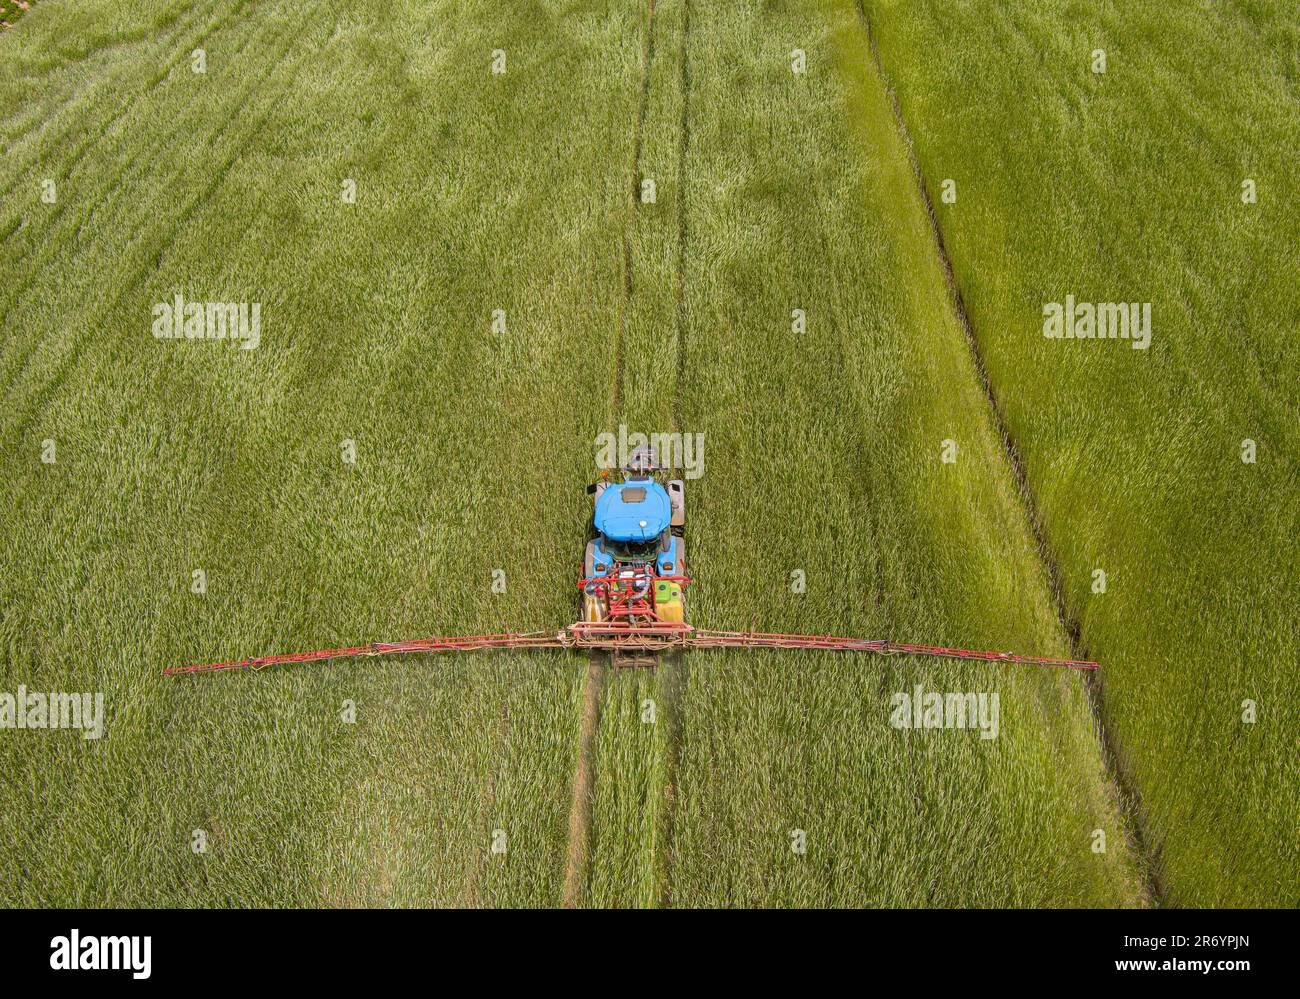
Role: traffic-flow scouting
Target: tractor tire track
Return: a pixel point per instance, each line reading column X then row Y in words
column 13, row 367
column 584, row 782
column 638, row 139
column 144, row 158
column 45, row 395
column 95, row 135
column 683, row 228
column 675, row 680
column 584, row 777
column 98, row 137
column 1120, row 786
column 676, row 676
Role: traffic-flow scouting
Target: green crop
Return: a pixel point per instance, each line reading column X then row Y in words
column 479, row 237
column 1132, row 185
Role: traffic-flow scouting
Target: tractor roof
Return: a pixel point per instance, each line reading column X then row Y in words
column 635, row 510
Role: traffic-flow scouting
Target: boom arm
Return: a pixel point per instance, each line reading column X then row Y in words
column 655, row 637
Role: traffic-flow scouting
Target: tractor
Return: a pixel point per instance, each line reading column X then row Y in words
column 634, row 569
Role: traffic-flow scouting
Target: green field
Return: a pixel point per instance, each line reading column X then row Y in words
column 230, row 460
column 404, row 452
column 1128, row 184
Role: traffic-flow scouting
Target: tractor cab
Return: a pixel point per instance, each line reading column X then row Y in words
column 638, row 550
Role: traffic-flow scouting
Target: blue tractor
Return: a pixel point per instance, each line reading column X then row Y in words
column 635, row 566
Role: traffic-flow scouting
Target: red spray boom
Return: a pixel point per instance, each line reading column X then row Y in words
column 633, row 633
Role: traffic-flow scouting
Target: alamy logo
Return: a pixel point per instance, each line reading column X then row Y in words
column 77, row 953
column 672, row 450
column 1100, row 321
column 919, row 709
column 179, row 319
column 37, row 709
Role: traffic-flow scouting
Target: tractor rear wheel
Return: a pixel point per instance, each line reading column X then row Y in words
column 589, row 559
